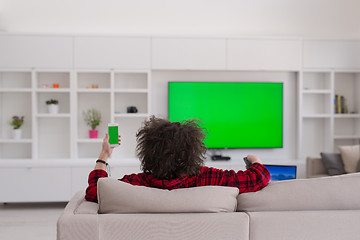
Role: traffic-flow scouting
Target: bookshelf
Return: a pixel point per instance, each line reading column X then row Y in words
column 318, row 89
column 64, row 135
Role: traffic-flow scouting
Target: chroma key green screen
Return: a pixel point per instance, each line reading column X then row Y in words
column 235, row 114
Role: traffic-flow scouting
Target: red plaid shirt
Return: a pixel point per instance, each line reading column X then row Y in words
column 251, row 180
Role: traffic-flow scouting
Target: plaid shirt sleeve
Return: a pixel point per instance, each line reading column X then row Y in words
column 91, row 191
column 253, row 179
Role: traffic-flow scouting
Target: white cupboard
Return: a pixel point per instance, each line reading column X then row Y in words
column 36, row 51
column 264, row 54
column 189, row 53
column 112, row 52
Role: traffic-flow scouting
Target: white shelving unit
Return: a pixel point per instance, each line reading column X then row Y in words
column 347, row 126
column 321, row 128
column 65, row 135
column 16, row 99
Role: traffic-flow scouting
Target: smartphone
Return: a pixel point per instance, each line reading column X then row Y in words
column 113, row 130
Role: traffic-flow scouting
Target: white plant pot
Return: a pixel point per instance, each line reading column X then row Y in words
column 53, row 108
column 17, row 134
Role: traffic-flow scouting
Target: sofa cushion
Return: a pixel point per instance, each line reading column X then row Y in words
column 326, row 193
column 305, row 225
column 174, row 226
column 350, row 156
column 115, row 196
column 86, row 207
column 333, row 163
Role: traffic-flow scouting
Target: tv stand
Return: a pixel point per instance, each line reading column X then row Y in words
column 220, row 158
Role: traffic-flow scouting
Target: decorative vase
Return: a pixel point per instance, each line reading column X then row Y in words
column 93, row 133
column 17, row 134
column 53, row 108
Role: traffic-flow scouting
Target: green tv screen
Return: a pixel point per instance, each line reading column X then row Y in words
column 235, row 114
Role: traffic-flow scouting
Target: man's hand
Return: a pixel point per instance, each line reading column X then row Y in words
column 106, row 152
column 254, row 159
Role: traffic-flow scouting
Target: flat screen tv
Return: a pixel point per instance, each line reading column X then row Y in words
column 235, row 114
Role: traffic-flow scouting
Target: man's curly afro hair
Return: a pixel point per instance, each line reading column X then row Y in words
column 170, row 150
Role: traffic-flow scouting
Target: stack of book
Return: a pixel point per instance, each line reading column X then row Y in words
column 340, row 105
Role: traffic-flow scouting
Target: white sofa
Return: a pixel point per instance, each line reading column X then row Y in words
column 320, row 208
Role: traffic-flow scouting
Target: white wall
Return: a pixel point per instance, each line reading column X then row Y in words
column 306, row 18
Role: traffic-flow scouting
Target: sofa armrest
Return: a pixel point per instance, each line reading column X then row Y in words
column 76, row 225
column 315, row 167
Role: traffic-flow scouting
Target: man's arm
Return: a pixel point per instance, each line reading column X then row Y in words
column 91, row 190
column 253, row 179
column 99, row 170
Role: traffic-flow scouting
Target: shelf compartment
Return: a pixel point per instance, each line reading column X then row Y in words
column 46, row 80
column 15, row 104
column 54, row 138
column 347, row 84
column 347, row 126
column 85, row 80
column 316, row 136
column 317, row 104
column 15, row 80
column 63, row 98
column 15, row 150
column 131, row 80
column 316, row 81
column 86, row 101
column 124, row 100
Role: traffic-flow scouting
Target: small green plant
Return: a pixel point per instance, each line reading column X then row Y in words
column 17, row 122
column 92, row 118
column 52, row 101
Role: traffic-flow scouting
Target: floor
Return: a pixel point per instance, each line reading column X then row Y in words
column 19, row 221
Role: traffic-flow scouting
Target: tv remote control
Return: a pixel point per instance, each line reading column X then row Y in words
column 247, row 162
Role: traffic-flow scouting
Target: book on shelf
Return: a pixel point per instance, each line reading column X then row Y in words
column 340, row 105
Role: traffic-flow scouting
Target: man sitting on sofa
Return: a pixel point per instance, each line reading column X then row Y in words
column 172, row 156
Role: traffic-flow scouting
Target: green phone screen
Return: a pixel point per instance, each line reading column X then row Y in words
column 113, row 135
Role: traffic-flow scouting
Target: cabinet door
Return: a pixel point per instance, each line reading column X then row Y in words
column 194, row 53
column 19, row 51
column 331, row 54
column 112, row 52
column 264, row 54
column 35, row 184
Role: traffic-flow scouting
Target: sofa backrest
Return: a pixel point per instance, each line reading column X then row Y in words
column 326, row 193
column 120, row 197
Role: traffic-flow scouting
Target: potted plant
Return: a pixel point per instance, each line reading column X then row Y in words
column 92, row 118
column 16, row 123
column 53, row 106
